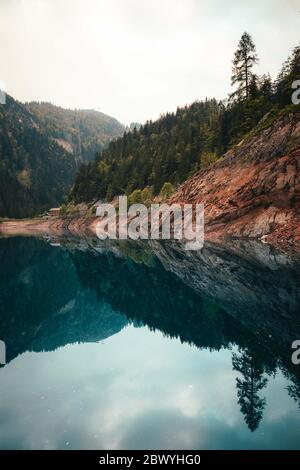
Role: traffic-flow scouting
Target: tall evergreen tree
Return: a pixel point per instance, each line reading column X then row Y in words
column 245, row 58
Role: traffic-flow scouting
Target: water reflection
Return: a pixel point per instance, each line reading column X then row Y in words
column 235, row 308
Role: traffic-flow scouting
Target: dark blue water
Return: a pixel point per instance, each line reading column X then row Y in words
column 128, row 346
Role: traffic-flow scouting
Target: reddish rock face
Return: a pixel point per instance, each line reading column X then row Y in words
column 254, row 191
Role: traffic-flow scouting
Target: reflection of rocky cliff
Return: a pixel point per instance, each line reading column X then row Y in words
column 253, row 283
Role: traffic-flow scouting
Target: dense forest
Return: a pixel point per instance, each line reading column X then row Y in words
column 40, row 149
column 178, row 144
column 43, row 146
column 82, row 132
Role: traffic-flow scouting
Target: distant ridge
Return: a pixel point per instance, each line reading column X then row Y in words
column 41, row 146
column 80, row 131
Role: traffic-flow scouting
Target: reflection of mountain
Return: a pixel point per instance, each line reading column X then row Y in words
column 89, row 290
column 42, row 303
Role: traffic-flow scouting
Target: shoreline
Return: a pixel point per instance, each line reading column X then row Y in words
column 49, row 226
column 286, row 237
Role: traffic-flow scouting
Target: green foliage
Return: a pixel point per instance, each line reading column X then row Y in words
column 35, row 172
column 289, row 73
column 63, row 210
column 207, row 159
column 147, row 195
column 41, row 144
column 135, row 197
column 167, row 190
column 81, row 132
column 71, row 210
column 178, row 144
column 140, row 254
column 248, row 386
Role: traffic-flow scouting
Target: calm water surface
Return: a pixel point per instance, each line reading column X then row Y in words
column 128, row 346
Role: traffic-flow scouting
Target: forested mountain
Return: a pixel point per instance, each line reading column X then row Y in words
column 40, row 146
column 178, row 144
column 35, row 172
column 81, row 132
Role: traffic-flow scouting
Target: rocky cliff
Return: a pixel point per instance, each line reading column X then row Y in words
column 41, row 146
column 254, row 191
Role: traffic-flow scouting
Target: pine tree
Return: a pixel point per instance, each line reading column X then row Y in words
column 244, row 59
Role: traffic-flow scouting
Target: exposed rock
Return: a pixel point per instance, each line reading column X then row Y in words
column 254, row 191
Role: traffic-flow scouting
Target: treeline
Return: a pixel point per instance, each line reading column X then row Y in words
column 178, row 144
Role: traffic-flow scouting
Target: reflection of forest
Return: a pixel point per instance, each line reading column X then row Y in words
column 86, row 290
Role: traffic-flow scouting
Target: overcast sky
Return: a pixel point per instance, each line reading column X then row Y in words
column 136, row 59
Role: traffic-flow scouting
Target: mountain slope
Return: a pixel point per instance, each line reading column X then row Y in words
column 168, row 149
column 254, row 190
column 40, row 148
column 81, row 132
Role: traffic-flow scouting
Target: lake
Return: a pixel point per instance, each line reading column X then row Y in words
column 128, row 345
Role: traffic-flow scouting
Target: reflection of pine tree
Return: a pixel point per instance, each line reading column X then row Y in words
column 248, row 386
